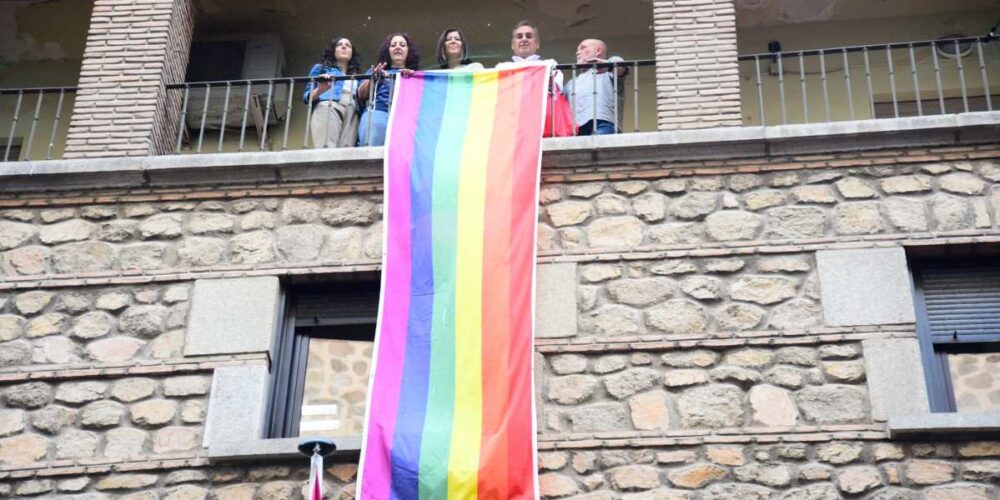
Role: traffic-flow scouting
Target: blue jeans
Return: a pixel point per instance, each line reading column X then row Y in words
column 379, row 120
column 604, row 127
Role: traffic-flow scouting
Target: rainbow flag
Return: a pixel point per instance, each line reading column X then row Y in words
column 450, row 412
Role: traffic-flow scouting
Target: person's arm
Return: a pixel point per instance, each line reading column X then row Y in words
column 316, row 88
column 622, row 69
column 376, row 71
column 313, row 88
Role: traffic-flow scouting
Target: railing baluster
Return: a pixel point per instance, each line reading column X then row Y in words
column 802, row 83
column 847, row 85
column 868, row 80
column 204, row 116
column 288, row 114
column 34, row 125
column 937, row 76
column 760, row 90
column 309, row 111
column 372, row 84
column 225, row 116
column 183, row 120
column 267, row 114
column 781, row 89
column 982, row 72
column 916, row 81
column 13, row 126
column 246, row 111
column 55, row 125
column 961, row 76
column 593, row 98
column 614, row 82
column 635, row 98
column 826, row 93
column 573, row 103
column 892, row 81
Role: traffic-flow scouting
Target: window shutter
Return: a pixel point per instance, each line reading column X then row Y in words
column 962, row 302
column 337, row 307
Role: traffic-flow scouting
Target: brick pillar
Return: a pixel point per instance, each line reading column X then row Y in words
column 134, row 48
column 697, row 79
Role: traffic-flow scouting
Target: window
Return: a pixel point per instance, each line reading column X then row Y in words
column 11, row 153
column 958, row 322
column 322, row 358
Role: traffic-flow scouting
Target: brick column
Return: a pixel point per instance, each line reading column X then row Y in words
column 697, row 79
column 134, row 48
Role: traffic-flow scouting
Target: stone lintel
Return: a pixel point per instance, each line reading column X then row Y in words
column 865, row 287
column 233, row 316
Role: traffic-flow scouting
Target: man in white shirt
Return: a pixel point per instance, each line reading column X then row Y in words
column 524, row 43
column 592, row 94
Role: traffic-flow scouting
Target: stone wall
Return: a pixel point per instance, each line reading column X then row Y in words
column 793, row 471
column 146, row 237
column 78, row 327
column 129, row 418
column 698, row 296
column 702, row 364
column 705, row 389
column 797, row 205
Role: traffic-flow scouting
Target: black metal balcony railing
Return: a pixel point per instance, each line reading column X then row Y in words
column 269, row 115
column 889, row 80
column 37, row 114
column 899, row 79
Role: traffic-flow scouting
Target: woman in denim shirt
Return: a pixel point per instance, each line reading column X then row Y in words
column 334, row 122
column 397, row 55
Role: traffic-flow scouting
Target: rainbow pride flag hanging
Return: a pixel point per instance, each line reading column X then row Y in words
column 450, row 410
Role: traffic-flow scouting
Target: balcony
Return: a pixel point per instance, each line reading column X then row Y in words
column 841, row 64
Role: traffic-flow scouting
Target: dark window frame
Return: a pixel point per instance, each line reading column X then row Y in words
column 934, row 354
column 354, row 321
column 16, row 147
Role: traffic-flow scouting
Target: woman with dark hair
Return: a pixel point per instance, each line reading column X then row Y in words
column 334, row 121
column 453, row 51
column 397, row 55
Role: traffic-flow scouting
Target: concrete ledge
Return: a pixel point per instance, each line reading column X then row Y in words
column 366, row 163
column 943, row 423
column 270, row 449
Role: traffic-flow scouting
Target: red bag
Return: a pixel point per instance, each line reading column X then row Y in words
column 563, row 124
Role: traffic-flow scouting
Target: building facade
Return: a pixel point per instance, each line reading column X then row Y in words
column 724, row 309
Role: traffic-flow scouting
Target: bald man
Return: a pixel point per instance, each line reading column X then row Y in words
column 592, row 93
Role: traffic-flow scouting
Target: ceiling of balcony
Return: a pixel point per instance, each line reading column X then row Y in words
column 28, row 33
column 306, row 24
column 751, row 13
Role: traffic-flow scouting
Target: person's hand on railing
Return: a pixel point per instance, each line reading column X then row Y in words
column 598, row 60
column 406, row 72
column 324, row 82
column 378, row 72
